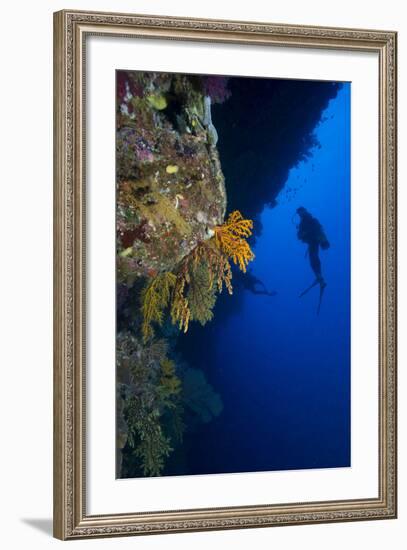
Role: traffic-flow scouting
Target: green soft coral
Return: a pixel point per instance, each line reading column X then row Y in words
column 201, row 294
column 146, row 436
column 150, row 403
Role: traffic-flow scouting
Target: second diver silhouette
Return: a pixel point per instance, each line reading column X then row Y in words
column 253, row 284
column 311, row 232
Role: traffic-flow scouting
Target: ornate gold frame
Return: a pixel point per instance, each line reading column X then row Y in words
column 70, row 31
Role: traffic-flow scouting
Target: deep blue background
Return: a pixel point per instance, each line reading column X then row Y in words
column 282, row 371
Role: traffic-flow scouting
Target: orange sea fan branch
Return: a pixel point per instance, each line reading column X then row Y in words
column 207, row 265
column 231, row 236
column 180, row 312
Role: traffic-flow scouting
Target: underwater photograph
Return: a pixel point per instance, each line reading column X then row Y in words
column 233, row 296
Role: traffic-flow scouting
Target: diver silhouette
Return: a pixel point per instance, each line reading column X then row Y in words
column 311, row 232
column 252, row 283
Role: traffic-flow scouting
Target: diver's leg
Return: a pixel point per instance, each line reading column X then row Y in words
column 315, row 283
column 314, row 260
column 315, row 263
column 263, row 291
column 321, row 293
column 261, row 285
column 316, row 268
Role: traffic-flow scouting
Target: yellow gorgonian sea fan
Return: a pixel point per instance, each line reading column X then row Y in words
column 200, row 277
column 220, row 272
column 154, row 299
column 231, row 236
column 190, row 294
column 180, row 311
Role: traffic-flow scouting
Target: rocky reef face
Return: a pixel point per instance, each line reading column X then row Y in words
column 170, row 186
column 170, row 214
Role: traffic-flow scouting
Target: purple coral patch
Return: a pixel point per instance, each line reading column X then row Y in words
column 217, row 88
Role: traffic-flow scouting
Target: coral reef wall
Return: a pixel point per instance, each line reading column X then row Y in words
column 170, row 186
column 170, row 201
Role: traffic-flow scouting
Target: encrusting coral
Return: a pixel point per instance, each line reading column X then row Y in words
column 170, row 185
column 191, row 292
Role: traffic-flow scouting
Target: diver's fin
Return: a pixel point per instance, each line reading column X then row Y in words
column 309, row 288
column 321, row 293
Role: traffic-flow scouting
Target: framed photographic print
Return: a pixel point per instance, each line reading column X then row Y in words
column 225, row 274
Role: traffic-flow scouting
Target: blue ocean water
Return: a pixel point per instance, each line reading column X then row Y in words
column 283, row 371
